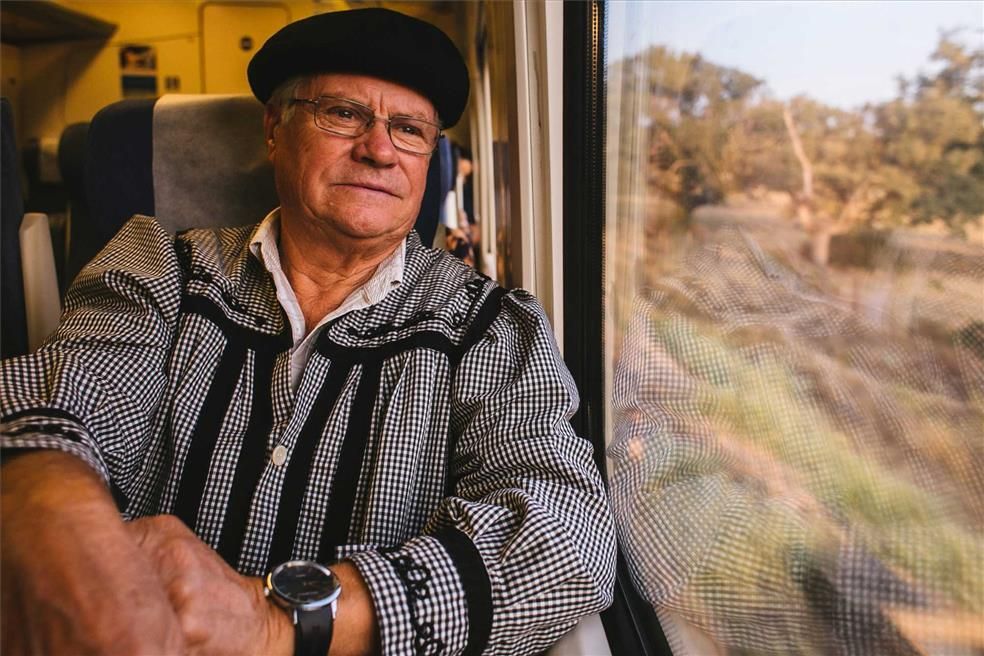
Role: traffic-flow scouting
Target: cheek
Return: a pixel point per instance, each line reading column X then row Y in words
column 313, row 173
column 311, row 154
column 417, row 177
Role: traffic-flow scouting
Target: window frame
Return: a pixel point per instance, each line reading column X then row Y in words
column 631, row 625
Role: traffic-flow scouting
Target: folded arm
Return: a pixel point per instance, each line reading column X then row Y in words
column 524, row 546
column 73, row 418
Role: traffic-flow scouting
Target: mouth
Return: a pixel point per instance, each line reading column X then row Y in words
column 368, row 186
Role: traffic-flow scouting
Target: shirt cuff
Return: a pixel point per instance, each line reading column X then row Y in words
column 53, row 430
column 432, row 595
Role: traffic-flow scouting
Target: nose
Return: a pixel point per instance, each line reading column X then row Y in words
column 375, row 147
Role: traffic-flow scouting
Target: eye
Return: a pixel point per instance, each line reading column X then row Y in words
column 409, row 130
column 341, row 113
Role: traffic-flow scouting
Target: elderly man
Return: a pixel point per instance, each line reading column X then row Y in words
column 377, row 428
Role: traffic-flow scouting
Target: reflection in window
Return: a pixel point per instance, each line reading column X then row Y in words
column 795, row 305
column 500, row 49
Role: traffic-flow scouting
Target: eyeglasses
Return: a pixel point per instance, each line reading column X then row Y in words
column 347, row 118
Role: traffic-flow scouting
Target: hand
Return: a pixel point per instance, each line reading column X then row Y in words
column 219, row 610
column 73, row 581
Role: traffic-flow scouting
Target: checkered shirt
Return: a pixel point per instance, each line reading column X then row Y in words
column 428, row 441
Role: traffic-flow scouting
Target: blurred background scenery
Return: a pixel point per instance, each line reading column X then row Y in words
column 793, row 272
column 795, row 292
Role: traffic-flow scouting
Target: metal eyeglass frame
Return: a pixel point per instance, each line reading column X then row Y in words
column 369, row 123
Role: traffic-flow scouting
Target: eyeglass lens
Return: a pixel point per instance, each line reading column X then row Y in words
column 350, row 119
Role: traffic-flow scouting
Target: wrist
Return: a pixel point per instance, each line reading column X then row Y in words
column 308, row 593
column 356, row 628
column 56, row 494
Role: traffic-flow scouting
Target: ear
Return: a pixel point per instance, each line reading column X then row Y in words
column 271, row 121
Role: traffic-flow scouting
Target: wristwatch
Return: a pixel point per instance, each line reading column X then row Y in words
column 309, row 593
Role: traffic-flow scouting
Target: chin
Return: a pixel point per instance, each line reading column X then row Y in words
column 368, row 220
column 372, row 228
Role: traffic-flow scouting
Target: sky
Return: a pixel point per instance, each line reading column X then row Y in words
column 841, row 53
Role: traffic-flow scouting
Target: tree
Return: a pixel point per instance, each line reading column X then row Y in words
column 701, row 131
column 687, row 110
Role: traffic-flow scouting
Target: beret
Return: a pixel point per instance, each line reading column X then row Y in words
column 374, row 41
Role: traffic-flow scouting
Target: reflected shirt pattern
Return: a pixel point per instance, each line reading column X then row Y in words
column 791, row 477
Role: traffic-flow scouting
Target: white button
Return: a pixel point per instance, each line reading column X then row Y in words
column 279, row 456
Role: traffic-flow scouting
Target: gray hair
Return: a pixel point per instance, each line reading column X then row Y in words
column 281, row 98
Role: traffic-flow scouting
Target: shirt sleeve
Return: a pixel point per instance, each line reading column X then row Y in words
column 93, row 387
column 524, row 545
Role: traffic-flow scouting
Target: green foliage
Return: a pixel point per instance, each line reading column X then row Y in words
column 759, row 400
column 702, row 131
column 685, row 109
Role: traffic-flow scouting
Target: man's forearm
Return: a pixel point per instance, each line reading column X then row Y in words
column 26, row 482
column 45, row 489
column 73, row 580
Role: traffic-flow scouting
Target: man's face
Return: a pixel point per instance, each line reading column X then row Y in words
column 357, row 188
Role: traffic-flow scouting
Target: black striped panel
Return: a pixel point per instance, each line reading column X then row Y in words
column 55, row 413
column 476, row 584
column 338, row 516
column 255, row 340
column 429, row 339
column 252, row 458
column 299, row 467
column 206, row 434
column 239, row 338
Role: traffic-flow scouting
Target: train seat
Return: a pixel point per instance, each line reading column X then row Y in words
column 191, row 161
column 13, row 338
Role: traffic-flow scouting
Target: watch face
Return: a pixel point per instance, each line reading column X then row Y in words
column 305, row 584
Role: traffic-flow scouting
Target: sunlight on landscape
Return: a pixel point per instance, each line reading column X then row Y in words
column 795, row 308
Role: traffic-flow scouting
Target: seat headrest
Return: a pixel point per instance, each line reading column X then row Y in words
column 210, row 162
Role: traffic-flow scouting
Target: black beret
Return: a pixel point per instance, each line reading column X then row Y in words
column 377, row 42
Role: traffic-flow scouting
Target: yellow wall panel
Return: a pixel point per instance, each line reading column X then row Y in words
column 225, row 27
column 64, row 83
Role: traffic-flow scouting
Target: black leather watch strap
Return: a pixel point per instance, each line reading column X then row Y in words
column 312, row 633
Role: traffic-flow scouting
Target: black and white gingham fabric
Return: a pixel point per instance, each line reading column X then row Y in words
column 428, row 441
column 791, row 477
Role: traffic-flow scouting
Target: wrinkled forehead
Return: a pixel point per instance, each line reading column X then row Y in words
column 385, row 96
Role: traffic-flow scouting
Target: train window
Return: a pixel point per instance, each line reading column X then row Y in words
column 794, row 321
